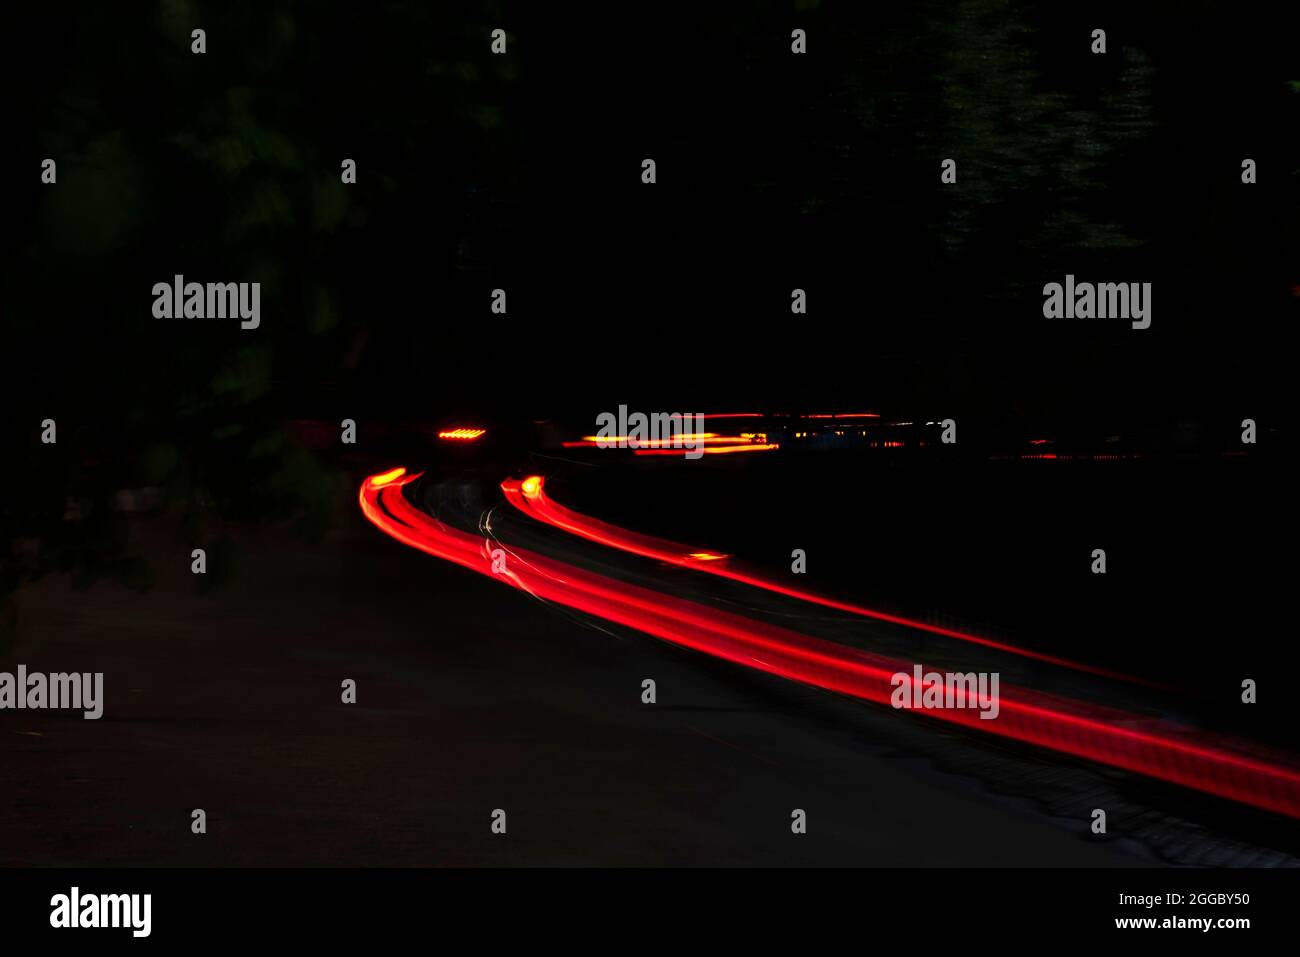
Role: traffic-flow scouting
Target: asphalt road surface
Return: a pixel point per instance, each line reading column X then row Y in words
column 474, row 697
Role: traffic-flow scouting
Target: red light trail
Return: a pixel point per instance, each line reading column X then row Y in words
column 841, row 415
column 717, row 449
column 710, row 443
column 530, row 497
column 1147, row 746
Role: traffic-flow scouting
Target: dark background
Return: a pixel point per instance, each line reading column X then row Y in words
column 774, row 172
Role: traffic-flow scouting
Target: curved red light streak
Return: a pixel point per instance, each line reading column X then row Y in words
column 1100, row 734
column 841, row 415
column 542, row 507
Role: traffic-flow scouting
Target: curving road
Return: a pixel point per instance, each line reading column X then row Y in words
column 1150, row 746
